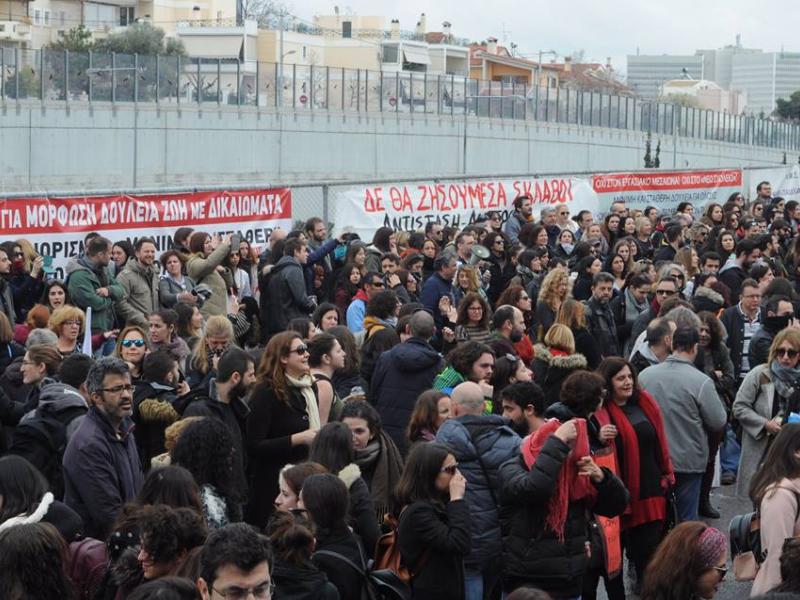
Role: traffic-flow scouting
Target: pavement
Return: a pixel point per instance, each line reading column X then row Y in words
column 724, row 500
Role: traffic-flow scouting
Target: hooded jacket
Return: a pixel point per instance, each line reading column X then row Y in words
column 141, row 287
column 153, row 412
column 7, row 301
column 286, row 295
column 478, row 443
column 732, row 275
column 550, row 370
column 301, row 582
column 57, row 398
column 83, row 279
column 399, row 377
column 707, row 299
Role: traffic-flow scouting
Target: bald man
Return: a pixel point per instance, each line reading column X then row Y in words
column 480, row 444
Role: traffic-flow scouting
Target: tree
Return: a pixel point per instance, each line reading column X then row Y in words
column 578, row 56
column 268, row 13
column 788, row 109
column 140, row 38
column 77, row 39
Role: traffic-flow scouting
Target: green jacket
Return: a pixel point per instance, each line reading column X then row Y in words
column 82, row 283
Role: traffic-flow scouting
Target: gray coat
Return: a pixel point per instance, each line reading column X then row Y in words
column 753, row 408
column 168, row 289
column 489, row 437
column 141, row 287
column 691, row 407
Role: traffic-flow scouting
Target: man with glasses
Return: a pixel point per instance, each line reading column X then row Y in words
column 235, row 565
column 101, row 464
column 585, row 220
column 433, row 231
column 6, row 293
column 742, row 321
column 562, row 218
column 371, row 284
column 666, row 288
column 480, row 443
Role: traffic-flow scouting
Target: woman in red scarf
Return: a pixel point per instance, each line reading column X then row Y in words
column 632, row 421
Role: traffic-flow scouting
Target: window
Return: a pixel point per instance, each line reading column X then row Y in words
column 304, row 52
column 62, row 17
column 347, row 29
column 47, row 17
column 390, row 54
column 37, row 16
column 126, row 15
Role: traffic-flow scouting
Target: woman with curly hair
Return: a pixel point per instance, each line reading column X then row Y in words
column 467, row 281
column 206, row 449
column 555, row 289
column 473, row 318
column 166, row 536
column 283, row 420
column 573, row 314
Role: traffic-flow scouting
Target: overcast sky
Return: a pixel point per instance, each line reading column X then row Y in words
column 601, row 29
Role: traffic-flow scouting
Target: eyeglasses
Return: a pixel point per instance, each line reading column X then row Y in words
column 18, row 254
column 77, row 322
column 377, row 284
column 118, row 389
column 564, row 213
column 475, row 308
column 450, row 469
column 790, row 352
column 666, row 292
column 300, row 350
column 128, row 343
column 262, row 591
column 722, row 571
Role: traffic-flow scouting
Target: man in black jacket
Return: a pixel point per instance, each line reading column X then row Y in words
column 285, row 296
column 599, row 318
column 779, row 315
column 733, row 274
column 741, row 322
column 673, row 236
column 402, row 374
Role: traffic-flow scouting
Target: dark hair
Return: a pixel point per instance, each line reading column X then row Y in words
column 780, row 286
column 710, row 255
column 198, row 241
column 771, row 305
column 318, row 347
column 45, row 299
column 673, row 232
column 238, row 544
column 128, row 248
column 348, row 342
column 291, row 537
column 291, row 246
column 381, row 238
column 582, row 392
column 462, row 317
column 790, row 575
column 602, row 277
column 171, row 485
column 369, row 277
column 418, row 480
column 442, row 261
column 206, row 448
column 295, row 476
column 141, row 242
column 185, row 312
column 165, row 532
column 464, row 355
column 74, row 369
column 425, row 414
column 715, row 328
column 746, row 246
column 528, row 234
column 21, row 487
column 758, row 271
column 234, row 360
column 311, row 224
column 326, row 500
column 166, row 588
column 108, row 365
column 157, row 365
column 685, row 338
column 524, row 394
column 322, row 310
column 333, row 447
column 301, row 325
column 33, row 561
column 501, row 315
column 363, row 410
column 780, row 462
column 609, row 368
column 97, row 245
column 382, row 305
column 520, row 199
column 390, row 256
column 181, row 235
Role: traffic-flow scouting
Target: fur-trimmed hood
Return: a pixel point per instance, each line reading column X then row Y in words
column 350, row 474
column 706, row 298
column 571, row 361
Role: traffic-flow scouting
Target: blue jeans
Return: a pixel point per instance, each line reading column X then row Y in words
column 473, row 585
column 687, row 495
column 730, row 452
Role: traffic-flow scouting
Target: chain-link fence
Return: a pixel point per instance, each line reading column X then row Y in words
column 48, row 75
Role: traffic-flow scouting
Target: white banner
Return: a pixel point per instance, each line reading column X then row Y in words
column 785, row 182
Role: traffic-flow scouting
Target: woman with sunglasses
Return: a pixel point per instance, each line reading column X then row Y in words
column 434, row 523
column 690, row 564
column 767, row 396
column 132, row 345
column 502, row 268
column 283, row 420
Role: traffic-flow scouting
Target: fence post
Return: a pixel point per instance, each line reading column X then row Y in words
column 343, row 80
column 41, row 74
column 380, row 96
column 311, row 89
column 135, row 78
column 178, row 79
column 90, row 76
column 16, row 73
column 411, row 91
column 66, row 76
column 219, row 81
column 327, row 87
column 238, row 83
column 396, row 92
column 158, row 79
column 199, row 84
column 325, row 208
column 258, row 89
column 452, row 93
column 113, row 77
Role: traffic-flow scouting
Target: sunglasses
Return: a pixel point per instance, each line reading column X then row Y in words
column 377, row 284
column 450, row 469
column 300, row 350
column 666, row 292
column 790, row 352
column 128, row 343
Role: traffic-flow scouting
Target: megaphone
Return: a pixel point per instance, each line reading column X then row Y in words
column 479, row 253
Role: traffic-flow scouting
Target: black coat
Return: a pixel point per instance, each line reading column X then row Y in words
column 733, row 320
column 301, row 582
column 283, row 295
column 270, row 425
column 550, row 371
column 363, row 519
column 400, row 376
column 347, row 580
column 153, row 412
column 585, row 344
column 733, row 277
column 532, row 554
column 434, row 540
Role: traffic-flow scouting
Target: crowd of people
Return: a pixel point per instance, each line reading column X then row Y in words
column 515, row 409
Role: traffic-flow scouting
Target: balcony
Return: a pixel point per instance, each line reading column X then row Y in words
column 15, row 31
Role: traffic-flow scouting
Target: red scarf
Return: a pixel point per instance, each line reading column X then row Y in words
column 571, row 487
column 648, row 509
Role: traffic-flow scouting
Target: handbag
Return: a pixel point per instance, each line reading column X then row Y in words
column 672, row 519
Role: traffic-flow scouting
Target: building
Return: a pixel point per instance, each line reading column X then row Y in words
column 591, row 77
column 718, row 64
column 706, row 94
column 436, row 53
column 647, row 73
column 765, row 77
column 15, row 24
column 491, row 62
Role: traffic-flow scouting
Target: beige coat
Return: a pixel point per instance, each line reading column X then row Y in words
column 141, row 292
column 204, row 271
column 753, row 408
column 779, row 520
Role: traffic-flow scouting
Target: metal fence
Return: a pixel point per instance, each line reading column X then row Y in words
column 48, row 75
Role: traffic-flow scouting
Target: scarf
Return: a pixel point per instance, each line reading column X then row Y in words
column 305, row 385
column 640, row 510
column 35, row 517
column 383, row 460
column 570, row 486
column 785, row 380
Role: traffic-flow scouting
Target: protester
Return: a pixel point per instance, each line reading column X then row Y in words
column 431, row 409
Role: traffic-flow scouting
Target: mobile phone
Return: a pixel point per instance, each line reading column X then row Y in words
column 236, row 239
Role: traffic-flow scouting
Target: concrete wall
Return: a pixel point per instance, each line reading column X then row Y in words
column 81, row 147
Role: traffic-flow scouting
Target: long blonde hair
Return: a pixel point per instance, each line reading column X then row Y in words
column 549, row 292
column 216, row 326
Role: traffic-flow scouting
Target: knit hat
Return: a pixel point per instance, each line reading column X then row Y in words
column 710, row 546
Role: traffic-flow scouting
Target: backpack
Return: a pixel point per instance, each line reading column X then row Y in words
column 42, row 439
column 88, row 563
column 381, row 584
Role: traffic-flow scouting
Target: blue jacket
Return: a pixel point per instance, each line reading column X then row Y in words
column 400, row 376
column 492, row 439
column 316, row 255
column 432, row 291
column 101, row 472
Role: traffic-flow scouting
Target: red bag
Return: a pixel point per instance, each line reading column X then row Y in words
column 88, row 563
